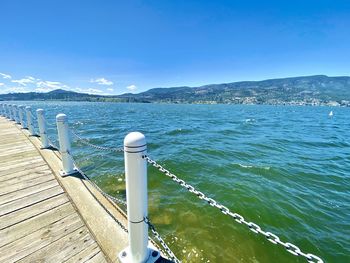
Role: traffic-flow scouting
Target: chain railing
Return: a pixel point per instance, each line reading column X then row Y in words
column 86, row 177
column 97, row 147
column 155, row 233
column 53, row 145
column 274, row 239
column 164, row 245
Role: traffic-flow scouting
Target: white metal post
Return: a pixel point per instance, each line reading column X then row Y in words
column 20, row 113
column 42, row 128
column 11, row 112
column 16, row 114
column 65, row 147
column 7, row 111
column 29, row 120
column 4, row 107
column 136, row 195
column 8, row 114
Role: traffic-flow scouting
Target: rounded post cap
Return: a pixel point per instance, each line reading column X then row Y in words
column 135, row 140
column 40, row 111
column 28, row 108
column 61, row 117
column 21, row 106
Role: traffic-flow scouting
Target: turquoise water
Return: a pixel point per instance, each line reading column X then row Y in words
column 284, row 168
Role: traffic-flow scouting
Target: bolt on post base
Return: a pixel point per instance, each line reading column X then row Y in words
column 153, row 254
column 63, row 173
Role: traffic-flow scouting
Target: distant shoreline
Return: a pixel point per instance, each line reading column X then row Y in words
column 323, row 104
column 318, row 90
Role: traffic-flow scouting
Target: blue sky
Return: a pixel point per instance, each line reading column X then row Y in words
column 113, row 47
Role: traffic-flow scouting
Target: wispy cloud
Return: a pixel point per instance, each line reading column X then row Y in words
column 46, row 86
column 16, row 90
column 89, row 91
column 32, row 84
column 24, row 81
column 5, row 76
column 131, row 88
column 102, row 81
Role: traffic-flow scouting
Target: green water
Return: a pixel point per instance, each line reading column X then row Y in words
column 284, row 168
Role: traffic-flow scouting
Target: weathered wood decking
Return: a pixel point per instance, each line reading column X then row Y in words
column 37, row 220
column 45, row 218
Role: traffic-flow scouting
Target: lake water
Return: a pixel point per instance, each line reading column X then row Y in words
column 285, row 168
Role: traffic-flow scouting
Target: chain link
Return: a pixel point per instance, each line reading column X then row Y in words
column 97, row 147
column 49, row 124
column 161, row 241
column 120, row 201
column 117, row 200
column 52, row 144
column 291, row 248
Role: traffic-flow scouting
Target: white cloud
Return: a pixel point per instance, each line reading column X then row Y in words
column 2, row 84
column 102, row 81
column 5, row 76
column 89, row 91
column 24, row 81
column 46, row 86
column 131, row 88
column 110, row 89
column 16, row 90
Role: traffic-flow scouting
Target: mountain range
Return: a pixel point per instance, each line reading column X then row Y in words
column 309, row 90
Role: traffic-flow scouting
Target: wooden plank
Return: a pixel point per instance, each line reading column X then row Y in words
column 98, row 258
column 26, row 177
column 27, row 191
column 61, row 249
column 24, row 163
column 8, row 142
column 19, row 156
column 10, row 234
column 41, row 238
column 29, row 200
column 85, row 255
column 5, row 152
column 25, row 184
column 23, row 168
column 13, row 145
column 31, row 211
column 11, row 138
column 38, row 223
column 11, row 175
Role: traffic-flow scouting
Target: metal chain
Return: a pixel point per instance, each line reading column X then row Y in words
column 101, row 148
column 101, row 191
column 161, row 240
column 291, row 248
column 117, row 200
column 52, row 144
column 52, row 125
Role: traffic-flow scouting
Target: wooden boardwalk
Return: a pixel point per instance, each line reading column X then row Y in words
column 38, row 220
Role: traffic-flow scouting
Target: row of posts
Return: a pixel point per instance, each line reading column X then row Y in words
column 140, row 250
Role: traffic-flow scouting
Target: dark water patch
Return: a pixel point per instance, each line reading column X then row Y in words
column 179, row 131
